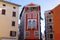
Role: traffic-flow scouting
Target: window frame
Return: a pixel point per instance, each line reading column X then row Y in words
column 50, row 27
column 13, row 33
column 28, row 34
column 32, row 24
column 14, row 14
column 35, row 8
column 29, row 24
column 13, row 23
column 3, row 11
column 50, row 13
column 51, row 37
column 35, row 34
column 49, row 20
column 30, row 8
column 35, row 27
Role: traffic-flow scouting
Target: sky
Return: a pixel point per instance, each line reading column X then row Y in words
column 44, row 4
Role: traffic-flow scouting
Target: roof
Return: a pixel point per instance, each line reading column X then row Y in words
column 32, row 4
column 57, row 7
column 10, row 3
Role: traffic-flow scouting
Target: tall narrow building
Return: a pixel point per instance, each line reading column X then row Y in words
column 52, row 24
column 8, row 20
column 49, row 32
column 30, row 22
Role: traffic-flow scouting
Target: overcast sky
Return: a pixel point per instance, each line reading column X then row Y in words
column 45, row 5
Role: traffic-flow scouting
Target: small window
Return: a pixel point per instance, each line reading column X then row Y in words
column 34, row 15
column 35, row 8
column 49, row 12
column 12, row 33
column 3, row 11
column 51, row 35
column 29, row 15
column 50, row 20
column 14, row 7
column 50, row 26
column 29, row 8
column 13, row 23
column 27, row 33
column 36, row 34
column 4, row 5
column 14, row 14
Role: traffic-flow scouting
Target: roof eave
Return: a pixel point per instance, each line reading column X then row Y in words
column 11, row 3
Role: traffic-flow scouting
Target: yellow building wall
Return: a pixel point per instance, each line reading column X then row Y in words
column 6, row 20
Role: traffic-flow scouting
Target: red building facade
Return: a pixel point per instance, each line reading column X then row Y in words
column 31, row 17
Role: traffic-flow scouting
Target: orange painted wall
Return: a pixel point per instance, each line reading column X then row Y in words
column 56, row 22
column 32, row 12
column 32, row 31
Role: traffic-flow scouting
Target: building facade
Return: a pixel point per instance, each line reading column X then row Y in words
column 30, row 22
column 8, row 21
column 49, row 25
column 52, row 24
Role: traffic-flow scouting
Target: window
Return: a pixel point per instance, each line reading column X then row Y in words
column 29, row 8
column 35, row 8
column 14, row 7
column 32, row 24
column 49, row 12
column 3, row 11
column 12, row 33
column 50, row 26
column 51, row 35
column 36, row 33
column 29, row 15
column 14, row 14
column 13, row 23
column 27, row 33
column 29, row 24
column 4, row 5
column 50, row 20
column 34, row 15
